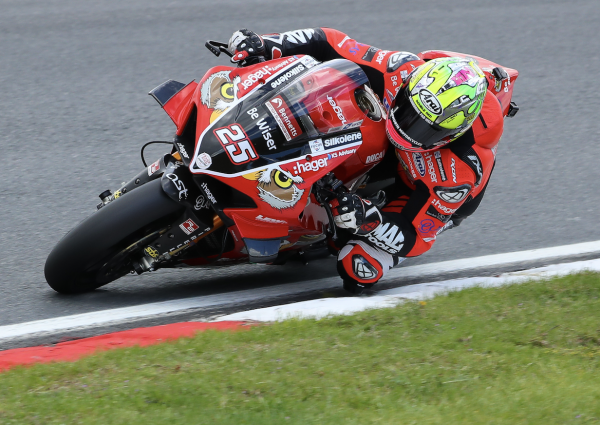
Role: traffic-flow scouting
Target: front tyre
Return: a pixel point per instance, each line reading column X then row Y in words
column 75, row 262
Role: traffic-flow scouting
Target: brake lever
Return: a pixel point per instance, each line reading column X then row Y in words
column 217, row 47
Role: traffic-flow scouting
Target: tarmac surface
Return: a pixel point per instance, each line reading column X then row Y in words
column 74, row 79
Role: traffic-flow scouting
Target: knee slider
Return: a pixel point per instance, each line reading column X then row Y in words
column 355, row 264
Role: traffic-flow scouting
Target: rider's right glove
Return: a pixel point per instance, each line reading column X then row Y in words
column 247, row 47
column 355, row 214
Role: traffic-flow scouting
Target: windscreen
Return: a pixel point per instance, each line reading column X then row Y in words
column 276, row 121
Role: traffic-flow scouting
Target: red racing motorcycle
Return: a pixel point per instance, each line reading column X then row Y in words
column 257, row 153
column 254, row 155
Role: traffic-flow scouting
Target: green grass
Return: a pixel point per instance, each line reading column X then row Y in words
column 522, row 354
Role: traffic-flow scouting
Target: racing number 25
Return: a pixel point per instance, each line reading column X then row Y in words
column 236, row 143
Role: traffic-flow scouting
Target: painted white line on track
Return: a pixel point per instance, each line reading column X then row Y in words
column 495, row 260
column 325, row 307
column 117, row 315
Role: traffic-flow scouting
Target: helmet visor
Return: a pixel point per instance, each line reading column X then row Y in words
column 409, row 130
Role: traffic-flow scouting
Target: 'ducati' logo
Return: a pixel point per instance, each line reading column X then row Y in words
column 431, row 102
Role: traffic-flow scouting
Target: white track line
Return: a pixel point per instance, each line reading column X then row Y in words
column 240, row 297
column 324, row 307
column 496, row 260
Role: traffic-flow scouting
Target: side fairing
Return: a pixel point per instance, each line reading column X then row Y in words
column 282, row 131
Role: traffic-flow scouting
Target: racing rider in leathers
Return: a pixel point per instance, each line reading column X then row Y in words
column 444, row 125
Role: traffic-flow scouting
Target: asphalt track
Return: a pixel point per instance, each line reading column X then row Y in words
column 74, row 112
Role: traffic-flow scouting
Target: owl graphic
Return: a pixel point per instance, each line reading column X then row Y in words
column 277, row 187
column 218, row 92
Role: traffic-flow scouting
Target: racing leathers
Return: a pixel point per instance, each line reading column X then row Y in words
column 435, row 190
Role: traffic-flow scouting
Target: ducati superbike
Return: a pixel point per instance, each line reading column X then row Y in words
column 256, row 154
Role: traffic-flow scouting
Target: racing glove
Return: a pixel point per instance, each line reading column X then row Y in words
column 357, row 215
column 247, row 47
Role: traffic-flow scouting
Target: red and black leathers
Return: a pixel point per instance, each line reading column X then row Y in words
column 437, row 189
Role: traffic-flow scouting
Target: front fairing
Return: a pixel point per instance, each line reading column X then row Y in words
column 290, row 115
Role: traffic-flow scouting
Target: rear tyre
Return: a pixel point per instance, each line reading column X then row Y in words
column 74, row 264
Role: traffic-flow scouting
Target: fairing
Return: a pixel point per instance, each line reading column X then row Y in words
column 275, row 123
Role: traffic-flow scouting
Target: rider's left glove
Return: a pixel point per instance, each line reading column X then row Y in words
column 247, row 47
column 355, row 214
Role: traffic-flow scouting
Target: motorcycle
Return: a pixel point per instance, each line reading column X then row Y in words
column 257, row 153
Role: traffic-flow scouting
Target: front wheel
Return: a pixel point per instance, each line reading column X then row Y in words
column 76, row 262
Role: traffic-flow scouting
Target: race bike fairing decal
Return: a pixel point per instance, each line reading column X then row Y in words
column 277, row 187
column 218, row 92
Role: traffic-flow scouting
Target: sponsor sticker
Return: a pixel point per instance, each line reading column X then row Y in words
column 431, row 102
column 208, row 193
column 203, row 161
column 452, row 195
column 436, row 203
column 431, row 167
column 153, row 168
column 151, row 252
column 362, row 269
column 189, row 226
column 286, row 76
column 266, row 133
column 398, row 59
column 427, row 226
column 370, row 54
column 386, row 104
column 477, row 167
column 341, row 153
column 350, row 126
column 316, row 146
column 453, row 169
column 182, row 151
column 269, row 220
column 389, row 238
column 343, row 140
column 258, row 75
column 419, row 163
column 381, row 56
column 338, row 111
column 315, row 165
column 179, row 185
column 438, row 159
column 201, row 203
column 432, row 212
column 284, row 117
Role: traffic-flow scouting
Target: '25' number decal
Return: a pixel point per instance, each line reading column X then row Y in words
column 236, row 143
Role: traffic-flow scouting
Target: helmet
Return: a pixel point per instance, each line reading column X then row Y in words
column 436, row 104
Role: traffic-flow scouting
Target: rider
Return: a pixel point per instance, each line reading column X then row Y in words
column 444, row 125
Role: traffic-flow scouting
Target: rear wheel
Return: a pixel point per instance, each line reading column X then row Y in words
column 98, row 251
